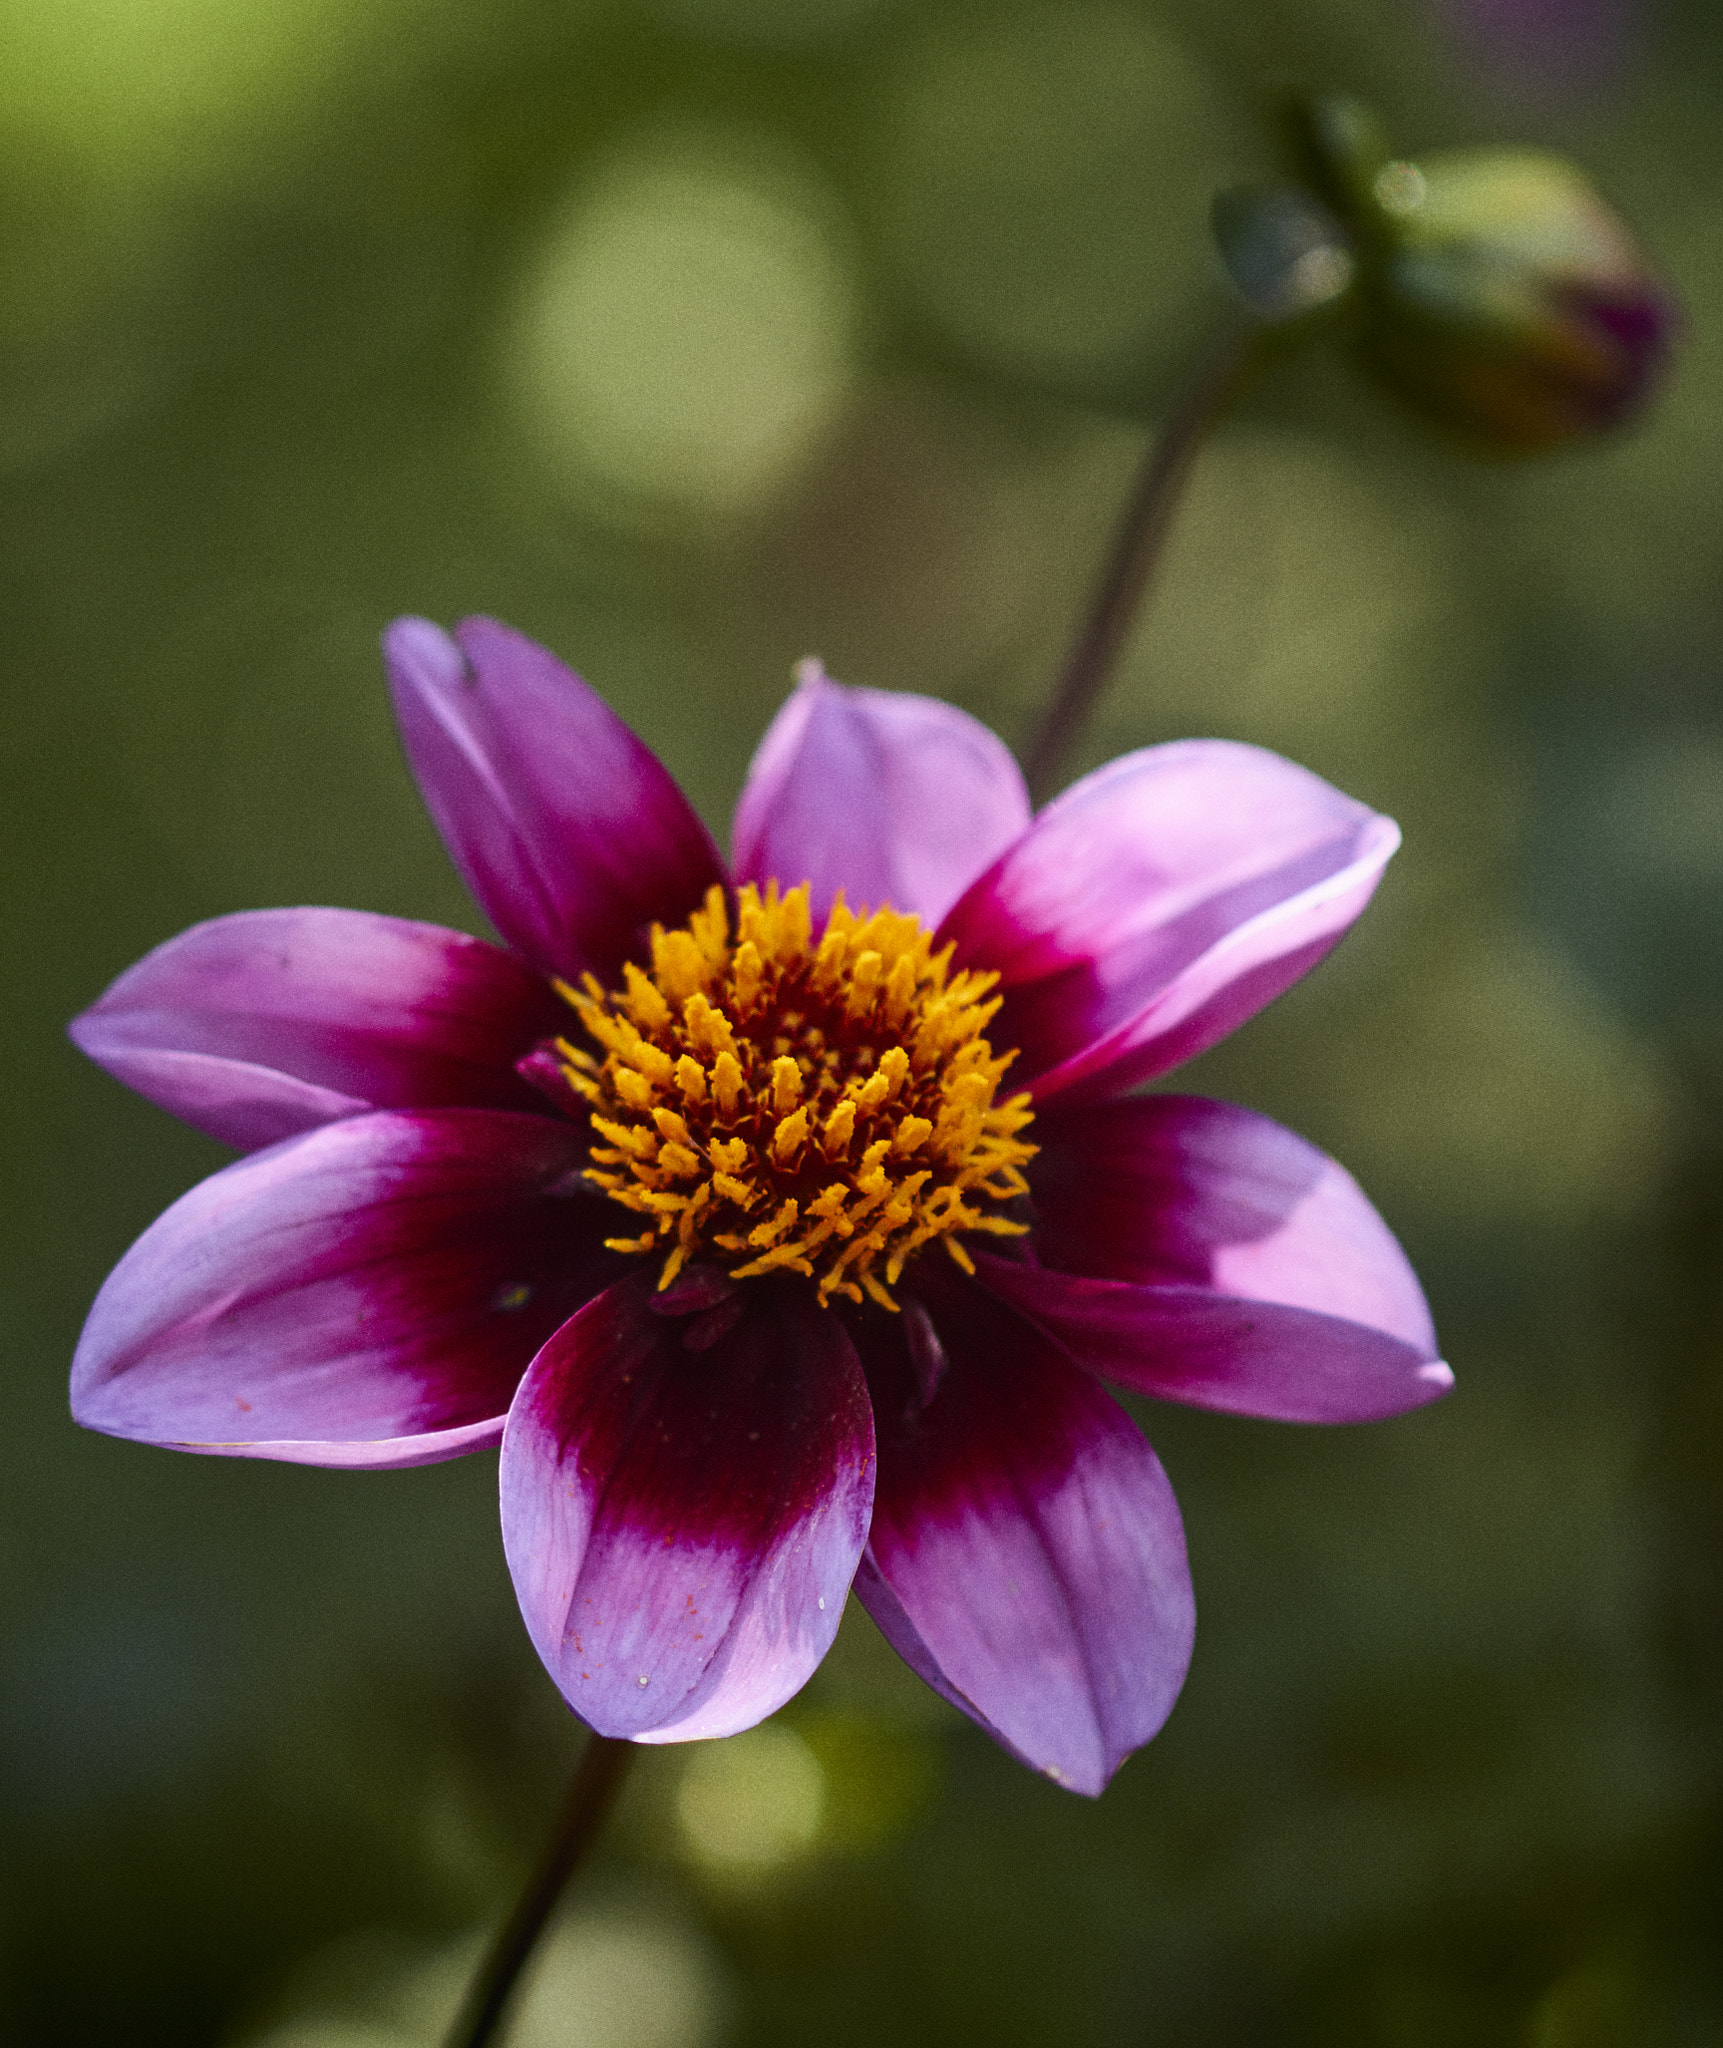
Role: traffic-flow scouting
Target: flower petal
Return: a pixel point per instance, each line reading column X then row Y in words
column 568, row 830
column 891, row 798
column 682, row 1516
column 1243, row 1357
column 1179, row 1190
column 259, row 1026
column 367, row 1294
column 1202, row 1253
column 1160, row 902
column 1028, row 1539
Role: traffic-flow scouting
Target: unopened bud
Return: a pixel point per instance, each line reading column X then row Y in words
column 1497, row 291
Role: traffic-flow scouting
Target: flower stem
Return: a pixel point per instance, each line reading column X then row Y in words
column 1136, row 548
column 597, row 1780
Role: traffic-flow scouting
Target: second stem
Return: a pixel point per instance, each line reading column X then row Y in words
column 1136, row 549
column 597, row 1780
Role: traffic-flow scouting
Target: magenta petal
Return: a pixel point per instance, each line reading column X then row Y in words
column 1029, row 1542
column 1201, row 1253
column 891, row 798
column 1177, row 1189
column 243, row 1105
column 1160, row 902
column 367, row 1294
column 259, row 1026
column 1244, row 1357
column 567, row 829
column 683, row 1518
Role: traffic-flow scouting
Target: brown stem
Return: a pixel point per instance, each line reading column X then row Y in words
column 597, row 1780
column 1136, row 549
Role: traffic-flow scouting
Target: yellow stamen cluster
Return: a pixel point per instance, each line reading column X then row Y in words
column 777, row 1104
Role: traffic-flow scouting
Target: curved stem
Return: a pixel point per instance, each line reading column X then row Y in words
column 597, row 1780
column 1136, row 549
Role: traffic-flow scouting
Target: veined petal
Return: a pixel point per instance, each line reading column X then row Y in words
column 262, row 1025
column 1159, row 903
column 568, row 830
column 683, row 1510
column 892, row 798
column 1199, row 1252
column 1208, row 1351
column 1027, row 1538
column 367, row 1294
column 243, row 1105
column 1179, row 1190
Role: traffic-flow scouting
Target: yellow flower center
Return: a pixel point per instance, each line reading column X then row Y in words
column 777, row 1105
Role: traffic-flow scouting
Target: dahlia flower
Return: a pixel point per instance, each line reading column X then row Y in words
column 781, row 1221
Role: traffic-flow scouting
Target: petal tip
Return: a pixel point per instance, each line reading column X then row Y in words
column 484, row 643
column 85, row 1403
column 1086, row 1784
column 419, row 652
column 1437, row 1375
column 810, row 674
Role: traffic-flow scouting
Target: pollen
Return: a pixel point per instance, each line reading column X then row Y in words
column 772, row 1102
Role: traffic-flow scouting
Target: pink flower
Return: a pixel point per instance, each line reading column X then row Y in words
column 782, row 1245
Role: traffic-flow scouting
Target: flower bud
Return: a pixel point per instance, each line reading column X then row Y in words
column 1497, row 290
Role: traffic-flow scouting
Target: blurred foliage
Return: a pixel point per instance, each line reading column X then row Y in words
column 693, row 336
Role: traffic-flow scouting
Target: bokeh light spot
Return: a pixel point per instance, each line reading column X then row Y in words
column 1049, row 188
column 685, row 331
column 610, row 1977
column 1400, row 188
column 174, row 90
column 750, row 1805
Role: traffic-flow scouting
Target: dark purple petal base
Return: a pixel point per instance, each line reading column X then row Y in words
column 684, row 1501
column 368, row 1294
column 1027, row 1557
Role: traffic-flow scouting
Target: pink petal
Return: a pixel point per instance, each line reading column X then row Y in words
column 683, row 1513
column 1178, row 1190
column 1027, row 1556
column 567, row 829
column 260, row 1026
column 367, row 1294
column 1201, row 1253
column 1159, row 903
column 1209, row 1351
column 891, row 798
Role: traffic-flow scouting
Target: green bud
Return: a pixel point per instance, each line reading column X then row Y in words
column 1497, row 291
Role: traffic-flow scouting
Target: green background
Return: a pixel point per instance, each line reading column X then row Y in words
column 693, row 336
